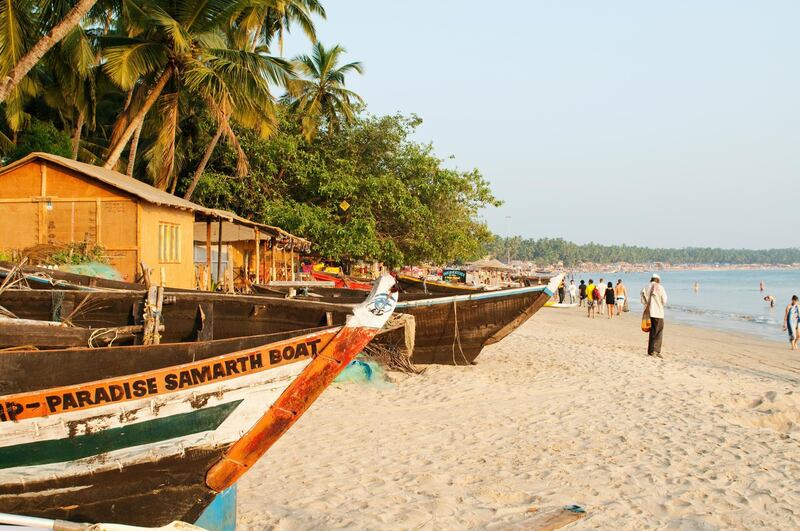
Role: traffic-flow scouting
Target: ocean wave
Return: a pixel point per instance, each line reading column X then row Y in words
column 742, row 317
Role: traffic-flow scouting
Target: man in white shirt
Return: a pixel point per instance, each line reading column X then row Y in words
column 654, row 298
column 573, row 292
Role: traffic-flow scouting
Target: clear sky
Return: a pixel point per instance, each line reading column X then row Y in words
column 661, row 123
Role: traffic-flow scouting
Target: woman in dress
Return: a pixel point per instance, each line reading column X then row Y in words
column 791, row 319
column 610, row 300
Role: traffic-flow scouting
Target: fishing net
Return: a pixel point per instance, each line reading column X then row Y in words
column 93, row 269
column 363, row 371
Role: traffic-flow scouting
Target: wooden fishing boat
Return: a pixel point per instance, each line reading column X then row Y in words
column 341, row 281
column 146, row 435
column 186, row 316
column 412, row 284
column 453, row 329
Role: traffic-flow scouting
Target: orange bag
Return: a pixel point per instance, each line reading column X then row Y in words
column 645, row 323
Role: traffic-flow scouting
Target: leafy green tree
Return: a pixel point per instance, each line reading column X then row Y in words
column 402, row 204
column 41, row 136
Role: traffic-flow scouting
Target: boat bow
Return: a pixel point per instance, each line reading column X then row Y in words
column 365, row 321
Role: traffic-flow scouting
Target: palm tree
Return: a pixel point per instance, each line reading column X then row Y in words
column 322, row 96
column 255, row 29
column 181, row 47
column 18, row 28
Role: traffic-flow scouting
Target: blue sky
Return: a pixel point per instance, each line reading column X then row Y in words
column 641, row 122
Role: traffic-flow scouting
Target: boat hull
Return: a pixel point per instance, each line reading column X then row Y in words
column 145, row 435
column 409, row 284
column 454, row 330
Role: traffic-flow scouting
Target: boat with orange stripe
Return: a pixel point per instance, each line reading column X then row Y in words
column 144, row 435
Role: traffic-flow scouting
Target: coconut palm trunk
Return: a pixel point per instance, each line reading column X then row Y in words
column 115, row 152
column 29, row 60
column 203, row 163
column 76, row 137
column 134, row 148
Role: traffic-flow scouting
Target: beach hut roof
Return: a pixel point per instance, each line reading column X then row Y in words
column 145, row 192
column 493, row 263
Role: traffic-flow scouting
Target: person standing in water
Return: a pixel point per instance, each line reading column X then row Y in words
column 654, row 298
column 610, row 299
column 791, row 320
column 620, row 294
column 761, row 285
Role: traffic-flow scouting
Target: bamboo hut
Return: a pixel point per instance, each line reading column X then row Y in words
column 50, row 200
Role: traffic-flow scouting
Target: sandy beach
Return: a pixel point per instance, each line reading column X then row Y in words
column 563, row 411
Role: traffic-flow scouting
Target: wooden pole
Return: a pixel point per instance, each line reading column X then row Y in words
column 219, row 253
column 272, row 275
column 291, row 252
column 258, row 256
column 208, row 254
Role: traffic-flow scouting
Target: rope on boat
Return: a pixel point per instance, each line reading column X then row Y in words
column 457, row 336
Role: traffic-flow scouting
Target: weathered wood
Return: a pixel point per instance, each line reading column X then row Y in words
column 205, row 315
column 546, row 520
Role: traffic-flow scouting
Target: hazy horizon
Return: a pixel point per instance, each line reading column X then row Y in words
column 660, row 125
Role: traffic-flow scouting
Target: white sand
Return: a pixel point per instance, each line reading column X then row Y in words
column 563, row 411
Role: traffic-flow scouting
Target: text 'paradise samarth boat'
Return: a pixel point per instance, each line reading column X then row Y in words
column 144, row 435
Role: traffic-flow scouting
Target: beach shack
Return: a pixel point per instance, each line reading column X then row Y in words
column 248, row 252
column 50, row 200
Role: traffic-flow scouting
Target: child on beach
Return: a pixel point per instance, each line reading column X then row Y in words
column 791, row 320
column 582, row 293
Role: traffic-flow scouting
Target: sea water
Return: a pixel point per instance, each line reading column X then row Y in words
column 725, row 300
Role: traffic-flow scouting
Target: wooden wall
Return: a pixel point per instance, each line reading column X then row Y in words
column 51, row 205
column 177, row 274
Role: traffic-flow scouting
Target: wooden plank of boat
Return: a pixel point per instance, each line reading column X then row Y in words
column 188, row 316
column 413, row 284
column 129, row 434
column 453, row 330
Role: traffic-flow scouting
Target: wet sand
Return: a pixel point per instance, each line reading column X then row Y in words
column 565, row 410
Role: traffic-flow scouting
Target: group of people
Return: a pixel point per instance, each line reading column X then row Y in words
column 605, row 297
column 602, row 297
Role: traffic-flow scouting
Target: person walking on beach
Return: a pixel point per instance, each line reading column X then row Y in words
column 610, row 302
column 590, row 299
column 581, row 293
column 573, row 292
column 602, row 288
column 561, row 292
column 654, row 298
column 620, row 294
column 791, row 320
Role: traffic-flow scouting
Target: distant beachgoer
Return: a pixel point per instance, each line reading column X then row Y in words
column 561, row 292
column 602, row 299
column 573, row 292
column 761, row 285
column 620, row 294
column 791, row 320
column 696, row 287
column 610, row 299
column 590, row 298
column 582, row 293
column 771, row 300
column 654, row 298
